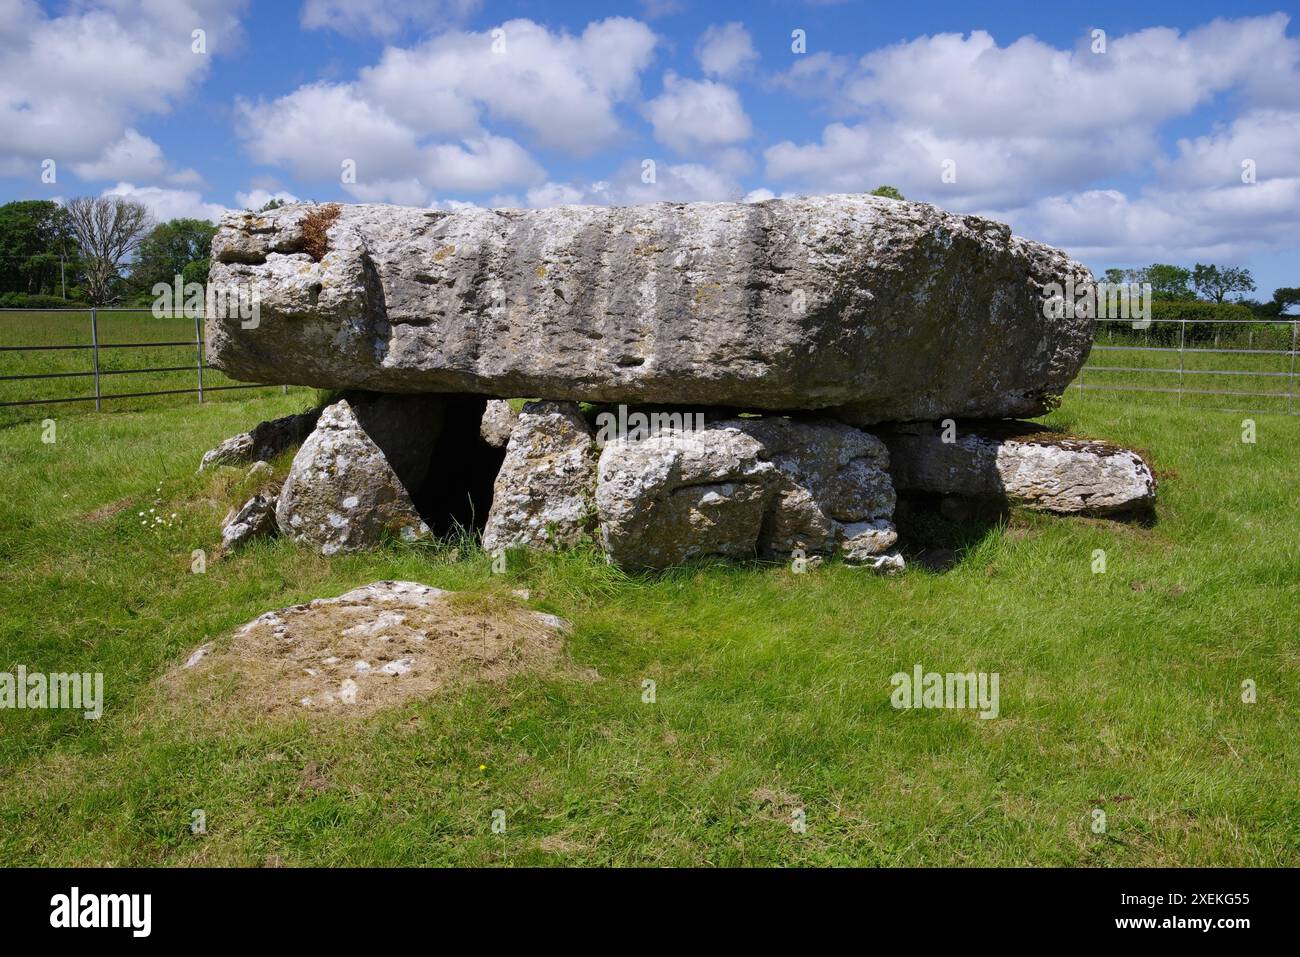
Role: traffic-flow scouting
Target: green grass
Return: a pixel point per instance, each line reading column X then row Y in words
column 1247, row 363
column 1118, row 690
column 117, row 366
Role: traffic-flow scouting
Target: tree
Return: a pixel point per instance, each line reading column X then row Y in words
column 1215, row 283
column 1285, row 297
column 1167, row 282
column 888, row 192
column 108, row 230
column 34, row 238
column 179, row 247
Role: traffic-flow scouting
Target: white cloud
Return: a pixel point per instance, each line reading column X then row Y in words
column 168, row 204
column 697, row 114
column 673, row 182
column 71, row 85
column 383, row 19
column 135, row 157
column 484, row 162
column 403, row 192
column 314, row 129
column 414, row 122
column 725, row 51
column 1028, row 120
column 1224, row 224
column 1269, row 139
column 562, row 89
column 257, row 197
column 132, row 157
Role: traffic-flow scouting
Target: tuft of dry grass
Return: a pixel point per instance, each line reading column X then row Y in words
column 315, row 230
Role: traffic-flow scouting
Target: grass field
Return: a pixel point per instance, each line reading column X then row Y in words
column 117, row 366
column 1119, row 691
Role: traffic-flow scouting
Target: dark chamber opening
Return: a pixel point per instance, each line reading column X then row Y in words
column 462, row 471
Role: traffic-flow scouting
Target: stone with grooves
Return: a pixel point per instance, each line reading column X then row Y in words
column 342, row 492
column 894, row 311
column 1019, row 463
column 497, row 423
column 254, row 519
column 743, row 487
column 544, row 493
column 262, row 442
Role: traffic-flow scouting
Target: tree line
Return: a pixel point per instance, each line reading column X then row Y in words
column 1207, row 283
column 95, row 250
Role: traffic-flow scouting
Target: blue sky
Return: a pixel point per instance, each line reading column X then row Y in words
column 1123, row 155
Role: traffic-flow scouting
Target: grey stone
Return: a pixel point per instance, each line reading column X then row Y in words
column 894, row 311
column 498, row 422
column 405, row 427
column 745, row 487
column 263, row 441
column 544, row 492
column 1021, row 464
column 254, row 519
column 342, row 493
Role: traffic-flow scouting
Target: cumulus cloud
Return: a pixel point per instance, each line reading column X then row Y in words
column 697, row 114
column 134, row 157
column 167, row 204
column 415, row 122
column 726, row 51
column 383, row 19
column 71, row 85
column 1031, row 133
column 562, row 89
column 636, row 182
column 1222, row 224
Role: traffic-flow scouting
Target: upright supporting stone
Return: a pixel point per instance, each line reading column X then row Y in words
column 1020, row 463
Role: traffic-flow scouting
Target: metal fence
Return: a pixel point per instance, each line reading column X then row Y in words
column 1227, row 345
column 97, row 375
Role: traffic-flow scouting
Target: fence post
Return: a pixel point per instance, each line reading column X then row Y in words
column 94, row 354
column 1295, row 338
column 198, row 350
column 1182, row 339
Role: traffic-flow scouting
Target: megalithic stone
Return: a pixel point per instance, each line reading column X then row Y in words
column 881, row 309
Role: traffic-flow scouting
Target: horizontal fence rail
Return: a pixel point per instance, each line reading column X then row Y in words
column 1190, row 342
column 97, row 374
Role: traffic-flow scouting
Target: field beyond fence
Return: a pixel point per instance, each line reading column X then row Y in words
column 106, row 359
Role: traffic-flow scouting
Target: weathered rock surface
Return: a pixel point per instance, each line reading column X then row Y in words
column 372, row 647
column 1021, row 464
column 254, row 519
column 545, row 491
column 893, row 311
column 498, row 422
column 342, row 492
column 745, row 487
column 262, row 442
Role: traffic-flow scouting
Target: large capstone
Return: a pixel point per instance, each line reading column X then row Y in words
column 1020, row 463
column 346, row 488
column 887, row 310
column 544, row 494
column 743, row 488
